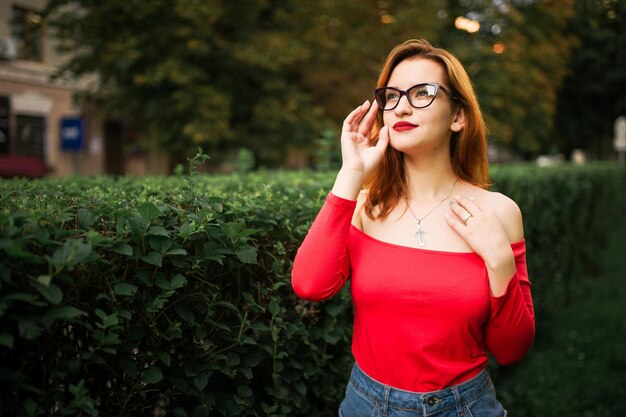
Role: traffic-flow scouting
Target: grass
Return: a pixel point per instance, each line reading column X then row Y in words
column 578, row 365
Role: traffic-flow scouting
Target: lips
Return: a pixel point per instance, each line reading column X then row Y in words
column 403, row 126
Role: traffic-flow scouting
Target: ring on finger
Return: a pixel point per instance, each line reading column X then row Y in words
column 466, row 217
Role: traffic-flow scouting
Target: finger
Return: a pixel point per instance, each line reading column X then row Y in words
column 368, row 120
column 383, row 139
column 469, row 204
column 461, row 212
column 351, row 122
column 456, row 225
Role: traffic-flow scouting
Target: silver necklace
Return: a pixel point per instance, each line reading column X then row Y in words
column 419, row 230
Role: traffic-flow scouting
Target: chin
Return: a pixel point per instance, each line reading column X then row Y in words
column 403, row 144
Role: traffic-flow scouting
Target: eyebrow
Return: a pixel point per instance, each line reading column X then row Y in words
column 413, row 85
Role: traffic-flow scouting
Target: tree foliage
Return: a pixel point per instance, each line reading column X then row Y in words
column 192, row 72
column 272, row 75
column 593, row 94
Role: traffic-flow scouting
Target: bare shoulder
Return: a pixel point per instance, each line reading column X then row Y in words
column 507, row 211
column 357, row 220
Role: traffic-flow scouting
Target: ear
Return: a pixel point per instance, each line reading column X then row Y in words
column 458, row 123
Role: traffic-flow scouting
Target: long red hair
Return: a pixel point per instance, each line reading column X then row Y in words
column 468, row 148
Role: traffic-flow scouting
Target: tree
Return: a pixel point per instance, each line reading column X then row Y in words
column 592, row 96
column 517, row 61
column 275, row 75
column 211, row 73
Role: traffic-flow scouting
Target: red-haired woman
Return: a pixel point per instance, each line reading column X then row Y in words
column 436, row 262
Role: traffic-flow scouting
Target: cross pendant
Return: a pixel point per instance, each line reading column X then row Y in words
column 419, row 232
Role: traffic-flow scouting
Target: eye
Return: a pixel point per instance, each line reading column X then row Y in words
column 421, row 91
column 391, row 95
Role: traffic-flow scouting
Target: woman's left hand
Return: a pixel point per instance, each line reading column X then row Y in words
column 481, row 228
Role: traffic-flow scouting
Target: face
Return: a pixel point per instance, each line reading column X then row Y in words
column 429, row 128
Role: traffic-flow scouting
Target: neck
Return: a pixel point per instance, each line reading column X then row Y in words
column 428, row 179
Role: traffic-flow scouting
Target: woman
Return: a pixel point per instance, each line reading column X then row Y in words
column 436, row 262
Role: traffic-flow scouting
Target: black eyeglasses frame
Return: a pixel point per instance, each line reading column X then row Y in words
column 404, row 93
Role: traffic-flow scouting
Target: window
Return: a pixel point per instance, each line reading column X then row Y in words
column 29, row 138
column 5, row 113
column 27, row 29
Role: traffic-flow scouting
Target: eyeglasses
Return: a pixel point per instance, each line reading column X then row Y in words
column 419, row 96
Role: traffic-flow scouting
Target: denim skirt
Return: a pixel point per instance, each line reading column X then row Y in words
column 366, row 397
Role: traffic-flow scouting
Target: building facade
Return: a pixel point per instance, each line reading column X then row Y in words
column 43, row 131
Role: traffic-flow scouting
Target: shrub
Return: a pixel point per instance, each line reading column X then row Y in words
column 172, row 296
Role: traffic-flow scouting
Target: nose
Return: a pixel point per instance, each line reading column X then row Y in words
column 403, row 107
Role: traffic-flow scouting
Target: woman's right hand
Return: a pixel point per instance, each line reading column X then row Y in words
column 359, row 157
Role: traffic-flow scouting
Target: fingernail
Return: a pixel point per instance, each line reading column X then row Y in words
column 457, row 196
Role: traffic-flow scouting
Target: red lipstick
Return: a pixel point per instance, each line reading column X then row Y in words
column 403, row 126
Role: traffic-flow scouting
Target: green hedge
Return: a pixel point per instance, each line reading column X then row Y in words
column 171, row 296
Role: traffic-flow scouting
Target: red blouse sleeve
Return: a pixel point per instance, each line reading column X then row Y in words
column 322, row 266
column 510, row 330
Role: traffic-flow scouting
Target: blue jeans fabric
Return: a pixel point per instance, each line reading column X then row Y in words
column 366, row 397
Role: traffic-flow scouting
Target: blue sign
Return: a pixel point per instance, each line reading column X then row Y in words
column 72, row 134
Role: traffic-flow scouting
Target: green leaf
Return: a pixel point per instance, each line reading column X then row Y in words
column 31, row 407
column 179, row 383
column 202, row 380
column 28, row 329
column 152, row 375
column 72, row 252
column 16, row 251
column 300, row 387
column 85, row 218
column 124, row 313
column 232, row 359
column 184, row 313
column 107, row 320
column 244, row 391
column 153, row 258
column 334, row 308
column 164, row 357
column 148, row 211
column 111, row 339
column 163, row 283
column 232, row 229
column 122, row 248
column 25, row 297
column 51, row 292
column 273, row 307
column 158, row 231
column 6, row 340
column 201, row 411
column 247, row 372
column 173, row 331
column 247, row 254
column 44, row 279
column 125, row 289
column 185, row 230
column 129, row 366
column 60, row 313
column 176, row 251
column 179, row 412
column 178, row 281
column 160, row 243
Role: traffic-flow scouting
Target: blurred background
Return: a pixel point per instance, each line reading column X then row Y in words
column 136, row 87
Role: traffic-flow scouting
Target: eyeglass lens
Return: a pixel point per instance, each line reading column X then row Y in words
column 419, row 96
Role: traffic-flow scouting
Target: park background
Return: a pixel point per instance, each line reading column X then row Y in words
column 169, row 295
